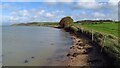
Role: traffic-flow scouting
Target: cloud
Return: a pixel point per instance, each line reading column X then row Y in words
column 24, row 13
column 49, row 15
column 8, row 6
column 0, row 6
column 21, row 13
column 65, row 0
column 86, row 1
column 78, row 10
column 98, row 15
column 87, row 5
column 0, row 20
column 21, row 0
column 95, row 15
column 40, row 12
column 114, row 2
column 11, row 18
column 95, row 4
column 31, row 15
column 111, row 1
column 49, row 0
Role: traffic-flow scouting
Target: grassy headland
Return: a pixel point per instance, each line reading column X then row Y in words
column 49, row 24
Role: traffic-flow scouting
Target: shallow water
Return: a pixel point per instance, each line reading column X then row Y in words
column 33, row 46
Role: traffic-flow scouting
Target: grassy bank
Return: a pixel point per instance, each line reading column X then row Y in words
column 105, row 35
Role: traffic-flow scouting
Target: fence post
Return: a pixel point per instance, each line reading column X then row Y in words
column 103, row 43
column 82, row 30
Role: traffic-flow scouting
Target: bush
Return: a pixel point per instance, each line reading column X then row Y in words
column 66, row 22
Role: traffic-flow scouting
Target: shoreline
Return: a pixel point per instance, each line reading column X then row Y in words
column 84, row 54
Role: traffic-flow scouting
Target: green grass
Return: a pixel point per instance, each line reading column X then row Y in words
column 108, row 28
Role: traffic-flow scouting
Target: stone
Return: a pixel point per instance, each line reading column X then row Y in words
column 26, row 61
column 80, row 47
column 82, row 51
column 77, row 44
column 85, row 52
column 75, row 54
column 68, row 54
column 81, row 44
column 79, row 40
column 32, row 57
column 70, row 47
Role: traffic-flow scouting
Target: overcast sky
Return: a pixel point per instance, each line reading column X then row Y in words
column 22, row 11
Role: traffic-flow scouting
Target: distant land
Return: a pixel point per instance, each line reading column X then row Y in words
column 56, row 23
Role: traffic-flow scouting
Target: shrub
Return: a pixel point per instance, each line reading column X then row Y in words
column 66, row 22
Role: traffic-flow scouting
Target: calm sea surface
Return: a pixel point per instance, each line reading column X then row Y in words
column 33, row 46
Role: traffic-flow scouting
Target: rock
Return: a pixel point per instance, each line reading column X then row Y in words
column 75, row 54
column 32, row 57
column 87, row 46
column 71, row 58
column 26, row 61
column 80, row 47
column 68, row 64
column 79, row 40
column 74, row 38
column 81, row 44
column 77, row 44
column 84, row 52
column 68, row 54
column 72, row 47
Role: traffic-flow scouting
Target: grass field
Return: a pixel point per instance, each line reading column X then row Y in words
column 108, row 28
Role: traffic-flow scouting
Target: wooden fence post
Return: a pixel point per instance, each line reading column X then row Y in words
column 82, row 30
column 103, row 43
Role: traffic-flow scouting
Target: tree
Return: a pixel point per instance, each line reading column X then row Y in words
column 66, row 21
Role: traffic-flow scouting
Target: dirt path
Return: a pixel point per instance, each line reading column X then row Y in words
column 83, row 53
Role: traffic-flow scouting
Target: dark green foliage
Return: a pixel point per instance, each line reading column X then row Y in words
column 66, row 21
column 93, row 21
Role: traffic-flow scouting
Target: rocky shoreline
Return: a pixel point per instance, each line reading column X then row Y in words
column 84, row 54
column 78, row 53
